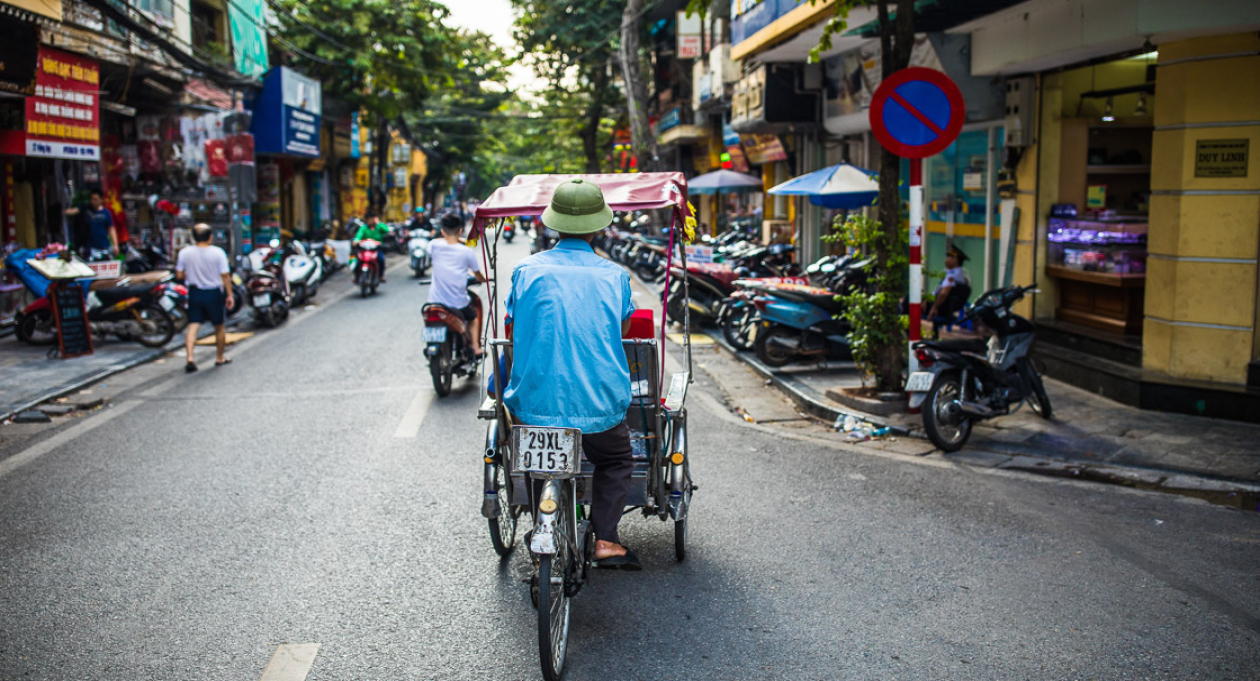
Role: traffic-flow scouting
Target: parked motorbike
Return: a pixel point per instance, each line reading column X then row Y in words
column 711, row 284
column 961, row 382
column 128, row 312
column 148, row 257
column 509, row 232
column 175, row 301
column 797, row 323
column 448, row 344
column 418, row 247
column 303, row 272
column 266, row 286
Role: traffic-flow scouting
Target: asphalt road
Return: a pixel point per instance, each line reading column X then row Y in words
column 315, row 491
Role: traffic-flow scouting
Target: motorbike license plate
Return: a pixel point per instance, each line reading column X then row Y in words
column 546, row 450
column 262, row 300
column 919, row 382
column 166, row 303
column 435, row 334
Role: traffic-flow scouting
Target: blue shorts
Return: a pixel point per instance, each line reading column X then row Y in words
column 207, row 305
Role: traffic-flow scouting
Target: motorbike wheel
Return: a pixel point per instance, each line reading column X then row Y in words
column 772, row 355
column 740, row 326
column 299, row 294
column 503, row 528
column 155, row 318
column 238, row 299
column 440, row 368
column 675, row 306
column 1039, row 400
column 365, row 286
column 947, row 427
column 553, row 600
column 37, row 328
column 179, row 316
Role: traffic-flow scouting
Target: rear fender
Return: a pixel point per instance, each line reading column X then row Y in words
column 490, row 502
column 37, row 306
column 796, row 315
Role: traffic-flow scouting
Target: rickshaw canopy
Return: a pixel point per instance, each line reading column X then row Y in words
column 530, row 194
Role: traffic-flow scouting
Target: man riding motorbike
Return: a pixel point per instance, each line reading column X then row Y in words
column 564, row 299
column 452, row 263
column 375, row 230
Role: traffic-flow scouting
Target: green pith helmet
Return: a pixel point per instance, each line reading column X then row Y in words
column 577, row 207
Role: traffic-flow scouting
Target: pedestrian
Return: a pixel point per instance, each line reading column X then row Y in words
column 568, row 310
column 102, row 236
column 203, row 267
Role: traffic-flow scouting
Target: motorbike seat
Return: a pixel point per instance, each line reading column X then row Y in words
column 973, row 345
column 807, row 294
column 109, row 296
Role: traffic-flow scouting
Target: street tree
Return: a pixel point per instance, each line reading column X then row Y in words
column 385, row 58
column 642, row 137
column 572, row 47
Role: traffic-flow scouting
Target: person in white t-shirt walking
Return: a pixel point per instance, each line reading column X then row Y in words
column 453, row 261
column 203, row 267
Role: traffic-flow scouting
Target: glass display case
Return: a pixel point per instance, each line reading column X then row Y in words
column 1114, row 245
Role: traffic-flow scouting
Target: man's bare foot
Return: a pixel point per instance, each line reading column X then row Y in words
column 607, row 549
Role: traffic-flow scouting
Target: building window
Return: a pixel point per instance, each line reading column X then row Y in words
column 206, row 27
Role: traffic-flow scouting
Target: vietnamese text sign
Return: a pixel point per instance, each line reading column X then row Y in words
column 63, row 116
column 1221, row 158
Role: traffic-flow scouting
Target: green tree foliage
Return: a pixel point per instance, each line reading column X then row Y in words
column 878, row 336
column 386, row 57
column 571, row 46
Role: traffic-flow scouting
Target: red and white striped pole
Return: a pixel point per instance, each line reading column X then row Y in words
column 916, row 256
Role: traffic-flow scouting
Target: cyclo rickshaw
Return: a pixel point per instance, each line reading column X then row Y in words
column 562, row 541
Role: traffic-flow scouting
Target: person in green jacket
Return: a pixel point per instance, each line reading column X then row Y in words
column 375, row 230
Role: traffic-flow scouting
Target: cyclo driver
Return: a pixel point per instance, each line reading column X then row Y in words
column 375, row 230
column 567, row 313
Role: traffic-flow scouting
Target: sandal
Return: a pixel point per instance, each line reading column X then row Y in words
column 628, row 562
column 225, row 361
column 190, row 367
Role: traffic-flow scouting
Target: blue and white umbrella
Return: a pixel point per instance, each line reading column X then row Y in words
column 840, row 186
column 723, row 182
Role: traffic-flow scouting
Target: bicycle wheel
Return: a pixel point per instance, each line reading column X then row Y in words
column 553, row 599
column 503, row 527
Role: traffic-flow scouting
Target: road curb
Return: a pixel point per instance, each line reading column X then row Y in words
column 1218, row 489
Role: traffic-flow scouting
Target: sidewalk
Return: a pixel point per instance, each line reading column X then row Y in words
column 1090, row 437
column 1087, row 429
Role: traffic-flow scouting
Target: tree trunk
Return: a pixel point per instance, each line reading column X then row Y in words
column 641, row 134
column 895, row 43
column 589, row 132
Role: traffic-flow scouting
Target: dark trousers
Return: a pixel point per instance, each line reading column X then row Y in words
column 609, row 452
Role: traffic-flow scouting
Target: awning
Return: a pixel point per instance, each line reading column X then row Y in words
column 530, row 194
column 840, row 186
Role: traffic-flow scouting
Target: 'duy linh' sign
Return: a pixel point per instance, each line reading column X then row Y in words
column 1221, row 158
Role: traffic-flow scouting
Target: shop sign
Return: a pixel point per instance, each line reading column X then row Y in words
column 354, row 135
column 699, row 254
column 287, row 114
column 670, row 119
column 763, row 148
column 687, row 32
column 63, row 116
column 1221, row 158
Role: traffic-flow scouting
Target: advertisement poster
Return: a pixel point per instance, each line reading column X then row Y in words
column 763, row 148
column 63, row 116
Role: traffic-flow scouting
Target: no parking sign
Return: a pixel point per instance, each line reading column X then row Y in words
column 917, row 112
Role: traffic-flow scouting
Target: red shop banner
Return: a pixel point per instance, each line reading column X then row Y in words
column 63, row 116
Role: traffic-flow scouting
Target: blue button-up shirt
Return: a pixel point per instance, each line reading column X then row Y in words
column 569, row 366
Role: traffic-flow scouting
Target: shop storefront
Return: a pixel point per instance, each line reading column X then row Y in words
column 286, row 126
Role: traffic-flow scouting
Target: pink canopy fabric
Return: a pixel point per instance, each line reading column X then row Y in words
column 530, row 194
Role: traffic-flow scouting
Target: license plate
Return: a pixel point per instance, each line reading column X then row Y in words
column 546, row 450
column 920, row 382
column 166, row 303
column 262, row 300
column 435, row 334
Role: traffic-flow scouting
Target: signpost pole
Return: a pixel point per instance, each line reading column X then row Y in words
column 916, row 257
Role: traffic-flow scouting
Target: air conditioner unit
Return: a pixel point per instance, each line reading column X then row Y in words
column 1021, row 112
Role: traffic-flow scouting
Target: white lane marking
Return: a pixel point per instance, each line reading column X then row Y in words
column 410, row 424
column 290, row 662
column 76, row 431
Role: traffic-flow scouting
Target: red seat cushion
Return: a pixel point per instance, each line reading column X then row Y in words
column 641, row 324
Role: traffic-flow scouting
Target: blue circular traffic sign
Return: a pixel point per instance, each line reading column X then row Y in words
column 917, row 112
